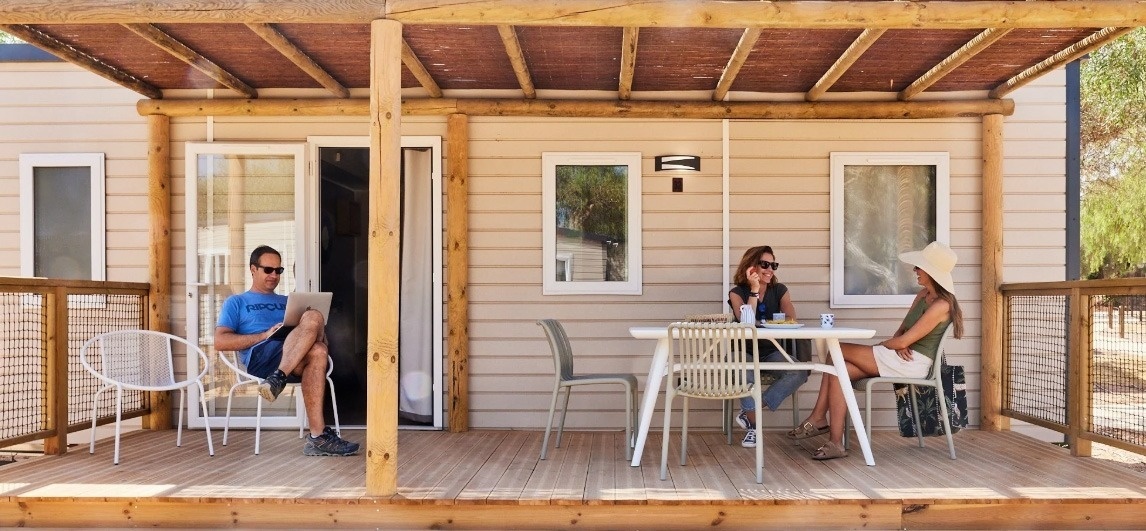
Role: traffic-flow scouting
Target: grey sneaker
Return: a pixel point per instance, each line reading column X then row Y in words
column 749, row 439
column 272, row 386
column 329, row 443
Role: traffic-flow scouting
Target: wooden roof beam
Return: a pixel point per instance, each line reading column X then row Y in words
column 628, row 62
column 419, row 70
column 300, row 59
column 68, row 53
column 1075, row 51
column 844, row 62
column 977, row 44
column 182, row 52
column 838, row 14
column 517, row 60
column 787, row 110
column 739, row 55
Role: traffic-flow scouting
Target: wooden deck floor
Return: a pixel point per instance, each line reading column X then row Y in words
column 493, row 479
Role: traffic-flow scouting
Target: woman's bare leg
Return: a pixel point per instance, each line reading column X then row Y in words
column 861, row 362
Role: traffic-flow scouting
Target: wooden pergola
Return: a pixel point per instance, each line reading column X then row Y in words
column 717, row 60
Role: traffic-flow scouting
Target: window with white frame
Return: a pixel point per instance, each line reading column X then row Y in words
column 591, row 224
column 884, row 204
column 62, row 215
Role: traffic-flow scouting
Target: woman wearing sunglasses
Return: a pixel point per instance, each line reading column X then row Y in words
column 756, row 286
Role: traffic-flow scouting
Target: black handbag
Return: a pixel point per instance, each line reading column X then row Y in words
column 954, row 392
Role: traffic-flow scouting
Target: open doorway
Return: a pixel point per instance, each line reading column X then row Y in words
column 342, row 169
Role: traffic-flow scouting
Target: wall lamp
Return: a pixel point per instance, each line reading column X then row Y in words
column 677, row 162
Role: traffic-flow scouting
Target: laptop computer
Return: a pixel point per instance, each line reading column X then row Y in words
column 299, row 302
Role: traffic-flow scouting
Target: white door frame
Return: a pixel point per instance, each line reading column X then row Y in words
column 313, row 220
column 193, row 150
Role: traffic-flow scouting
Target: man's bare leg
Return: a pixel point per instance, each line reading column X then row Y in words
column 304, row 355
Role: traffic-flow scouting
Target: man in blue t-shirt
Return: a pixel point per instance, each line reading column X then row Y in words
column 248, row 323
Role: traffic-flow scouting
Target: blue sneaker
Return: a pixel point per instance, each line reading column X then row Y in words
column 745, row 424
column 749, row 439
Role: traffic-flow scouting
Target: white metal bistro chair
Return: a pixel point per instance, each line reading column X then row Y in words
column 710, row 360
column 244, row 378
column 142, row 360
column 565, row 379
column 933, row 379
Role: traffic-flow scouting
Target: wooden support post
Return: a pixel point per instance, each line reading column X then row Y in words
column 457, row 269
column 991, row 397
column 159, row 211
column 1078, row 374
column 56, row 350
column 384, row 240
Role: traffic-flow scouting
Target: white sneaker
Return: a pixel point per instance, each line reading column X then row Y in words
column 749, row 439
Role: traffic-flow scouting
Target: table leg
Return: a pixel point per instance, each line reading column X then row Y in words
column 850, row 398
column 657, row 371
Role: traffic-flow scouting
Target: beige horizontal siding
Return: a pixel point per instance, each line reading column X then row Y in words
column 58, row 108
column 778, row 180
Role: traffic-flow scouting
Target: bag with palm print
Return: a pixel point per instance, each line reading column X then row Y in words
column 954, row 392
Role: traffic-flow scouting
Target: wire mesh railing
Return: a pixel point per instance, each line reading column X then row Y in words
column 45, row 392
column 1074, row 359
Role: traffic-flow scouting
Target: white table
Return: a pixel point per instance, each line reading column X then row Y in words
column 658, row 369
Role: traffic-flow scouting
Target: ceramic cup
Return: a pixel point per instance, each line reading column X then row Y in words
column 827, row 320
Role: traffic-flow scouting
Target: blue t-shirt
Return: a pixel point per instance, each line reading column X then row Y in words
column 252, row 313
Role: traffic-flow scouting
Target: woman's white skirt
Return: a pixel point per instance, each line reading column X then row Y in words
column 890, row 364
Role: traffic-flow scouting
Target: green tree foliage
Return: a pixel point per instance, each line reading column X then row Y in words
column 8, row 39
column 592, row 199
column 1113, row 148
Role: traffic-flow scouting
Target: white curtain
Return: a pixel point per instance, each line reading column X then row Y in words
column 415, row 333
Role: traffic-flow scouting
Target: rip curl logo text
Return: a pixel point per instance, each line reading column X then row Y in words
column 266, row 306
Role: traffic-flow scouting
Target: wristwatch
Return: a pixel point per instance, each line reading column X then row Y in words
column 753, row 294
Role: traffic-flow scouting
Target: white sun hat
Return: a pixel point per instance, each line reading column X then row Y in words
column 938, row 260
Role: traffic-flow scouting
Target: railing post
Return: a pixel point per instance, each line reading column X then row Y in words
column 158, row 415
column 1078, row 370
column 56, row 368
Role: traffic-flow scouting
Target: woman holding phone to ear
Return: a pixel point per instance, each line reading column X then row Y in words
column 756, row 286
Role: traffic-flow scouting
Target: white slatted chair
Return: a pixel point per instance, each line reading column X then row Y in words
column 933, row 379
column 710, row 361
column 728, row 407
column 142, row 360
column 564, row 378
column 244, row 378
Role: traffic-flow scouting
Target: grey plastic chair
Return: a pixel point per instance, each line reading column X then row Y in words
column 565, row 379
column 143, row 360
column 934, row 379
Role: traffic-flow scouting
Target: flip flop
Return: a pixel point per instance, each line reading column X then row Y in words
column 829, row 451
column 806, row 430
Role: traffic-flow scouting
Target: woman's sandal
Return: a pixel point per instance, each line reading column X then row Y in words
column 806, row 430
column 830, row 450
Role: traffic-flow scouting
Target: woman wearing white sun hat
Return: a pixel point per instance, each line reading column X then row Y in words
column 909, row 352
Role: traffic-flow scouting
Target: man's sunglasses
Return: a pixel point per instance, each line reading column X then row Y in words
column 764, row 264
column 268, row 269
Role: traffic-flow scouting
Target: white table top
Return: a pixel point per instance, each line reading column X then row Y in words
column 807, row 332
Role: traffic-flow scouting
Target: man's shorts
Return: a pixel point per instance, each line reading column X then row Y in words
column 265, row 358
